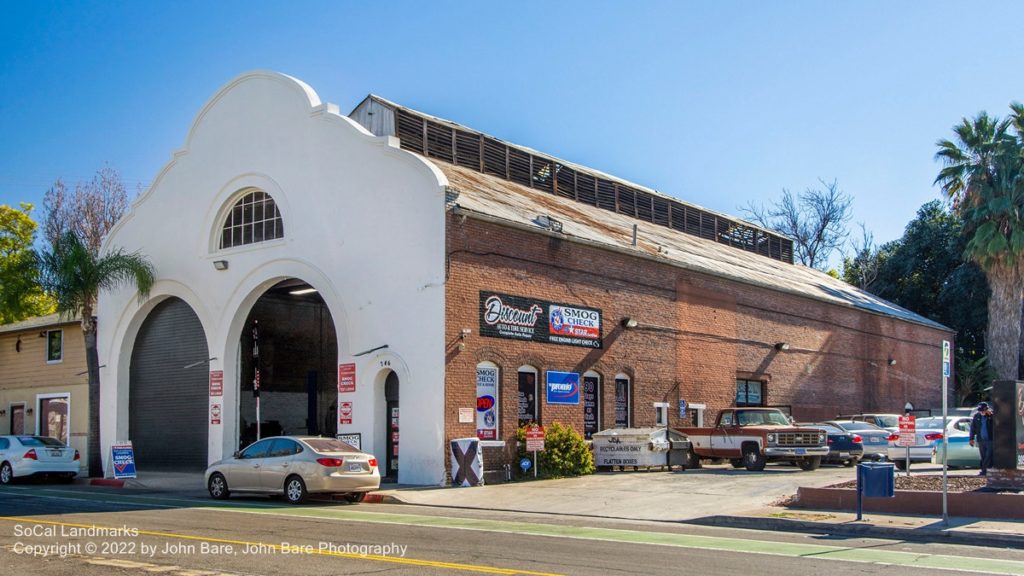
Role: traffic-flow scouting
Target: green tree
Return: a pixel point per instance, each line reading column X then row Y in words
column 20, row 293
column 74, row 275
column 983, row 176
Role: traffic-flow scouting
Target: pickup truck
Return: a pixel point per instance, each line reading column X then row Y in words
column 751, row 437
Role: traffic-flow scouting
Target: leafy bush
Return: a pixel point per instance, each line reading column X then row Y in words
column 565, row 452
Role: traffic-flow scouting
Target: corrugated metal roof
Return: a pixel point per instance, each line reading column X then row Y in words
column 514, row 203
column 37, row 322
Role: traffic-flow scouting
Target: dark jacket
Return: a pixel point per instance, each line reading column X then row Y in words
column 976, row 427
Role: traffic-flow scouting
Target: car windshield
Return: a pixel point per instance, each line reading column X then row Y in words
column 826, row 427
column 887, row 421
column 329, row 445
column 859, row 426
column 40, row 441
column 760, row 418
column 928, row 423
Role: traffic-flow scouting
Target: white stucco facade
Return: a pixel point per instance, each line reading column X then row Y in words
column 364, row 225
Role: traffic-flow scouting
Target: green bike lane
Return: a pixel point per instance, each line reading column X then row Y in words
column 874, row 551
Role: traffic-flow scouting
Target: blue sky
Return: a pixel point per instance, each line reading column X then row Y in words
column 717, row 103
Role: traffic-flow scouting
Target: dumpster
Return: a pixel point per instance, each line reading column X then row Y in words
column 467, row 462
column 639, row 447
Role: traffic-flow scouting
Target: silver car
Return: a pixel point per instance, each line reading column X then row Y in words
column 295, row 466
column 24, row 456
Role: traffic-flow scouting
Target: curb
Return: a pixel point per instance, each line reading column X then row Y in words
column 990, row 539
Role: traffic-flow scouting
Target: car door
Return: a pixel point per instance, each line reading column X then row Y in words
column 277, row 464
column 723, row 437
column 244, row 471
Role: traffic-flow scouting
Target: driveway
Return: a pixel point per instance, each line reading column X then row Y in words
column 709, row 491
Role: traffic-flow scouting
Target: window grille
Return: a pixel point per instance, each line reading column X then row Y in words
column 254, row 218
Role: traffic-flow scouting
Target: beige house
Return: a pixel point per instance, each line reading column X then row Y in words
column 43, row 381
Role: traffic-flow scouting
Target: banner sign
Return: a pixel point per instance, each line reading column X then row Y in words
column 353, row 439
column 216, row 383
column 123, row 458
column 486, row 403
column 563, row 388
column 346, row 378
column 518, row 318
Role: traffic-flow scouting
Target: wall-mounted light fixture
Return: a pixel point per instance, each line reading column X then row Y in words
column 17, row 345
column 220, row 264
column 462, row 338
column 892, row 361
column 3, row 412
column 28, row 410
column 908, row 407
column 629, row 323
column 782, row 346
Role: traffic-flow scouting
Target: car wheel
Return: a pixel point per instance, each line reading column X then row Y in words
column 900, row 464
column 218, row 487
column 736, row 462
column 355, row 497
column 6, row 474
column 295, row 490
column 753, row 460
column 809, row 463
column 692, row 461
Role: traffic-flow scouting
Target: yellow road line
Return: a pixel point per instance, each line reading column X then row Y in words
column 278, row 548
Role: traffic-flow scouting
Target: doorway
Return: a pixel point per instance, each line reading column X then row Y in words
column 17, row 419
column 391, row 422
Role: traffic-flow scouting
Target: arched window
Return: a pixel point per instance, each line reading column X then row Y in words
column 623, row 401
column 529, row 396
column 591, row 404
column 487, row 404
column 253, row 218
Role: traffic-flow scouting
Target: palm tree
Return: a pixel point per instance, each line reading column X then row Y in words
column 983, row 176
column 74, row 277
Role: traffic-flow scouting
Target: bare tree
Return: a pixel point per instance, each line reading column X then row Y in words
column 815, row 219
column 90, row 211
column 861, row 269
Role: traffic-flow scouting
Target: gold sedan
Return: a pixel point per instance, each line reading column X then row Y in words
column 295, row 466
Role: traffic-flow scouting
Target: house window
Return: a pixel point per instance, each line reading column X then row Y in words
column 591, row 404
column 623, row 398
column 529, row 406
column 54, row 346
column 254, row 218
column 749, row 393
column 487, row 404
column 53, row 413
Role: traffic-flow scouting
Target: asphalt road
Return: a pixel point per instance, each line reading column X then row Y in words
column 78, row 530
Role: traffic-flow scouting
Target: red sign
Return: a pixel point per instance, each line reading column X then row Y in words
column 344, row 412
column 215, row 414
column 346, row 378
column 908, row 430
column 535, row 439
column 216, row 383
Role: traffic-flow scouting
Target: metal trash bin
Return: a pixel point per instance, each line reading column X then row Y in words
column 876, row 479
column 467, row 458
column 679, row 453
column 639, row 447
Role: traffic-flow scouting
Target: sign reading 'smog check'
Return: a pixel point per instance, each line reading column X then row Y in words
column 519, row 318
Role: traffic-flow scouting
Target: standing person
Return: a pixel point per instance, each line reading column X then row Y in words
column 981, row 429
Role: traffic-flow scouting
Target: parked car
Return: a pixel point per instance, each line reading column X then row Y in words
column 24, row 456
column 295, row 466
column 927, row 435
column 844, row 447
column 751, row 437
column 890, row 422
column 875, row 439
column 961, row 453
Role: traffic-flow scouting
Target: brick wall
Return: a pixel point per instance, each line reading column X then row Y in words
column 696, row 335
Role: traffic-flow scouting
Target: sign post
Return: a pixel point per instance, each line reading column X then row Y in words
column 534, row 443
column 945, row 436
column 908, row 431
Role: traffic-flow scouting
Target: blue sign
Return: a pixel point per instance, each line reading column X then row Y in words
column 563, row 388
column 682, row 408
column 525, row 464
column 123, row 459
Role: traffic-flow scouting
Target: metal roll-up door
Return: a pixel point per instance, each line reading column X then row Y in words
column 168, row 403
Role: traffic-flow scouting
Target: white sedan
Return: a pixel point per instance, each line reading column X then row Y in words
column 24, row 456
column 295, row 466
column 927, row 436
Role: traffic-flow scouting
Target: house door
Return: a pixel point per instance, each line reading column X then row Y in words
column 17, row 420
column 391, row 421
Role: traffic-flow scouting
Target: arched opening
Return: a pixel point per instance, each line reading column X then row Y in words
column 391, row 422
column 168, row 393
column 288, row 358
column 529, row 396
